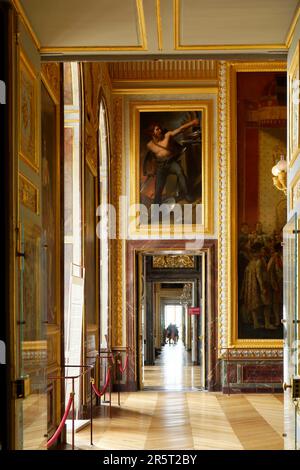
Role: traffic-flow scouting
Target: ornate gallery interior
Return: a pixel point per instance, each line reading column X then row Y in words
column 150, row 156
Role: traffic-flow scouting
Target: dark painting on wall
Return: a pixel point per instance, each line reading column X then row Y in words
column 170, row 157
column 261, row 141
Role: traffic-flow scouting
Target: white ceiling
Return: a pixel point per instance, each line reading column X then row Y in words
column 159, row 26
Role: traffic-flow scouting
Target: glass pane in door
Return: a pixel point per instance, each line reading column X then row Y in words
column 290, row 315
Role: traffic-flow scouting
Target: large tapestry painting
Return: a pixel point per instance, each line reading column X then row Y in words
column 261, row 141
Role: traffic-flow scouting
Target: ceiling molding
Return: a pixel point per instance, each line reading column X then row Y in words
column 258, row 66
column 149, row 70
column 159, row 25
column 20, row 10
column 89, row 49
column 212, row 47
column 291, row 31
column 166, row 90
column 142, row 25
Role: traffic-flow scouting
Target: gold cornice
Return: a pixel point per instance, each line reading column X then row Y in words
column 291, row 31
column 143, row 46
column 165, row 91
column 274, row 66
column 212, row 47
column 170, row 70
column 26, row 22
column 159, row 25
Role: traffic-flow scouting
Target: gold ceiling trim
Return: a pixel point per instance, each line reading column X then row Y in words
column 87, row 49
column 26, row 22
column 164, row 70
column 168, row 91
column 159, row 25
column 212, row 47
column 291, row 31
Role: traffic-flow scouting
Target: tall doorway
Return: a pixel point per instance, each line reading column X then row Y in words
column 171, row 322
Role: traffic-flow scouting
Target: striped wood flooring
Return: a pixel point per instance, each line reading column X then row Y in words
column 172, row 413
column 156, row 420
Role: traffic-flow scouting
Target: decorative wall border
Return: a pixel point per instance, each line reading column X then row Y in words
column 223, row 203
column 256, row 349
column 117, row 244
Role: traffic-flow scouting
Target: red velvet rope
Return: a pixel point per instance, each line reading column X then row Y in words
column 122, row 369
column 61, row 425
column 105, row 385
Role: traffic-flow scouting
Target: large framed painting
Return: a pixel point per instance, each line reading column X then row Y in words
column 28, row 114
column 294, row 108
column 171, row 167
column 258, row 212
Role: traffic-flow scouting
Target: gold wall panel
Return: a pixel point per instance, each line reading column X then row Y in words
column 28, row 194
column 117, row 258
column 28, row 113
column 170, row 261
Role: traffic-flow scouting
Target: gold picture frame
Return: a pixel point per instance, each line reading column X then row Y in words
column 294, row 108
column 139, row 113
column 28, row 114
column 232, row 303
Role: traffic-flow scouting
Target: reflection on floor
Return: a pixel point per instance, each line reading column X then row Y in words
column 35, row 421
column 173, row 370
column 195, row 420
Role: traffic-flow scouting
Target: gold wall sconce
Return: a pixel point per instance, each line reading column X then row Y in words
column 279, row 172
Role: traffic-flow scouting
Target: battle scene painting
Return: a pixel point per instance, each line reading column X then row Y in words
column 261, row 143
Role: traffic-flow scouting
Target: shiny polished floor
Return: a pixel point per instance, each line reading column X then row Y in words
column 34, row 421
column 173, row 370
column 167, row 416
column 188, row 420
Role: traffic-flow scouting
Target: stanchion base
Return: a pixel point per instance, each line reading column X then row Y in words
column 78, row 424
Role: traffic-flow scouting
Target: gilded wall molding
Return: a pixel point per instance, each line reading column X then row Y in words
column 229, row 345
column 117, row 247
column 164, row 70
column 28, row 194
column 171, row 261
column 51, row 75
column 223, row 215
